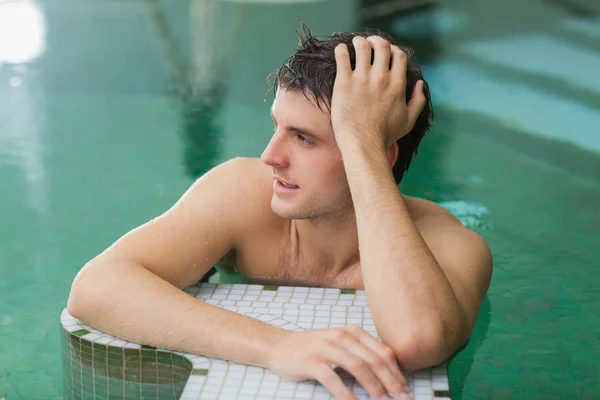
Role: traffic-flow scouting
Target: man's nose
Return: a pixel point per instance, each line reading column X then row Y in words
column 274, row 154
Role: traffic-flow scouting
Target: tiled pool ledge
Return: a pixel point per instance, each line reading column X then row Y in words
column 100, row 366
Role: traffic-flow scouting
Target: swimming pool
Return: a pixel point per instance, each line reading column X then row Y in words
column 114, row 107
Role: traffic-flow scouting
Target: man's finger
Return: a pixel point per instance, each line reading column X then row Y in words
column 393, row 381
column 382, row 350
column 355, row 366
column 342, row 59
column 398, row 70
column 381, row 63
column 362, row 48
column 416, row 104
column 332, row 382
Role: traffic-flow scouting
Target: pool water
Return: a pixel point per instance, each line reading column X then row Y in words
column 110, row 109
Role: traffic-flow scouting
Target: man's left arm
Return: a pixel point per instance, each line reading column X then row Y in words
column 424, row 284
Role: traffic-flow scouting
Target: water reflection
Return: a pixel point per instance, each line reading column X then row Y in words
column 23, row 113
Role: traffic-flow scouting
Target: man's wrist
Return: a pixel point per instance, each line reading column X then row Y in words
column 269, row 343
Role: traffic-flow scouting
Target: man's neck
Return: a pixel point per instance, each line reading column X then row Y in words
column 335, row 241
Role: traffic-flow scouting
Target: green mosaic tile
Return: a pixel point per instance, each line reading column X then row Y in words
column 80, row 332
column 202, row 372
column 271, row 288
column 148, row 347
column 441, row 393
column 348, row 291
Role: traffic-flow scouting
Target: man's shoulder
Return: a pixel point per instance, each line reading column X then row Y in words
column 248, row 183
column 421, row 209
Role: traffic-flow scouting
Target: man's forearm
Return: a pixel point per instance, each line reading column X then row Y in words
column 128, row 301
column 407, row 292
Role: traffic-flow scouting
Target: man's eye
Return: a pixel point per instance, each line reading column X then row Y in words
column 303, row 139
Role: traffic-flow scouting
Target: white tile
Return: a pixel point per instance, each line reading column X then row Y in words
column 285, row 289
column 219, row 296
column 306, row 386
column 245, row 310
column 322, row 314
column 422, row 396
column 268, row 293
column 118, row 343
column 313, row 301
column 291, row 312
column 276, row 305
column 235, row 297
column 201, row 364
column 250, row 298
column 297, row 301
column 212, row 301
column 354, row 321
column 338, row 314
column 292, row 306
column 243, row 303
column 261, row 310
column 231, row 308
column 132, row 346
column 338, row 320
column 321, row 307
column 355, row 309
column 422, row 382
column 305, row 325
column 321, row 319
column 259, row 304
column 72, row 328
column 307, row 306
column 104, row 340
column 344, row 302
column 440, row 386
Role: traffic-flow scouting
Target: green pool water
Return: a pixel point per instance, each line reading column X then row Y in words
column 124, row 103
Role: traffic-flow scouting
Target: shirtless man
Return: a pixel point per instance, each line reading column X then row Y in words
column 320, row 208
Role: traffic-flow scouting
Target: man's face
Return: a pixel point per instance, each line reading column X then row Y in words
column 303, row 152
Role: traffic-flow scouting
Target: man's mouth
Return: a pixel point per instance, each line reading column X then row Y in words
column 288, row 185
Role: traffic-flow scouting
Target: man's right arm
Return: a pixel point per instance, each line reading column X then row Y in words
column 133, row 289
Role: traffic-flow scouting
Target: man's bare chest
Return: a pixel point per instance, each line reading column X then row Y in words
column 276, row 265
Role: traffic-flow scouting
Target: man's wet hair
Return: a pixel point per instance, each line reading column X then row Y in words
column 311, row 70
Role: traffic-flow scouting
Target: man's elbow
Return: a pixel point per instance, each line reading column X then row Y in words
column 80, row 301
column 425, row 351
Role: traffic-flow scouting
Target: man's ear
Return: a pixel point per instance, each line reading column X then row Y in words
column 392, row 153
